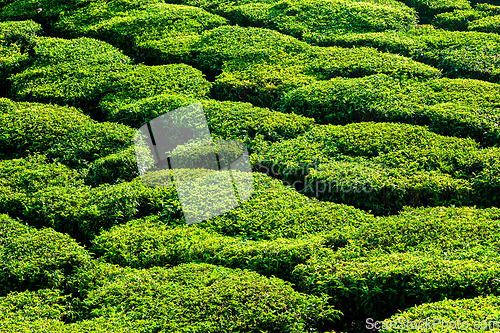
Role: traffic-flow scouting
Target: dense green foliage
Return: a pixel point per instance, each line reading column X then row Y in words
column 276, row 63
column 167, row 34
column 33, row 259
column 468, row 315
column 310, row 19
column 484, row 17
column 16, row 38
column 459, row 107
column 63, row 133
column 180, row 295
column 82, row 72
column 206, row 298
column 384, row 166
column 52, row 195
column 372, row 132
column 458, row 53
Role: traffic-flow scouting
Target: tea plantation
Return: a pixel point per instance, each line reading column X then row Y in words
column 372, row 128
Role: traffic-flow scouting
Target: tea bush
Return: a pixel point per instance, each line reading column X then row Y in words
column 457, row 20
column 245, row 46
column 83, row 71
column 77, row 72
column 116, row 323
column 277, row 63
column 147, row 243
column 287, row 214
column 384, row 190
column 64, row 134
column 351, row 105
column 167, row 34
column 460, row 107
column 16, row 39
column 265, row 83
column 83, row 211
column 486, row 24
column 113, row 169
column 396, row 145
column 428, row 8
column 471, row 314
column 33, row 259
column 453, row 233
column 35, row 172
column 48, row 304
column 228, row 120
column 467, row 54
column 147, row 81
column 199, row 291
column 375, row 286
column 235, row 120
column 384, row 166
column 311, row 18
column 481, row 18
column 29, row 9
column 214, row 289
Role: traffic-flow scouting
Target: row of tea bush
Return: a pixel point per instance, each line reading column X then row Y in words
column 448, row 315
column 469, row 54
column 458, row 107
column 484, row 18
column 53, row 284
column 384, row 166
column 262, row 81
column 369, row 266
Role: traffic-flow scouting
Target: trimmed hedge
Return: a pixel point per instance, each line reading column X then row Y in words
column 448, row 315
column 11, row 10
column 467, row 54
column 428, row 8
column 34, row 173
column 396, row 145
column 244, row 45
column 383, row 190
column 82, row 211
column 383, row 166
column 81, row 72
column 242, row 121
column 171, row 300
column 287, row 214
column 486, row 24
column 482, row 18
column 311, row 18
column 460, row 107
column 265, row 83
column 26, row 306
column 249, row 220
column 113, row 169
column 77, row 72
column 226, row 119
column 147, row 243
column 147, row 81
column 276, row 63
column 167, row 32
column 62, row 133
column 456, row 20
column 16, row 40
column 207, row 298
column 448, row 232
column 33, row 259
column 377, row 285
